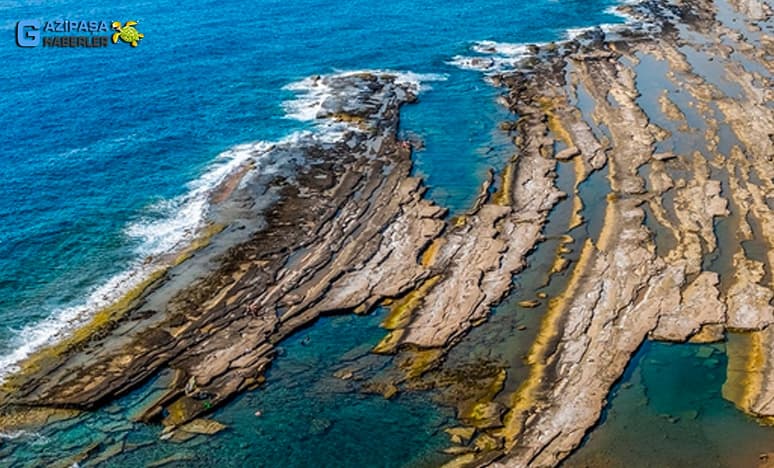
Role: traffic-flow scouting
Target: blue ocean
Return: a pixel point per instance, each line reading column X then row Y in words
column 107, row 156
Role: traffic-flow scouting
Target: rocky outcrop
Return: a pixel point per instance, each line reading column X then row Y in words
column 622, row 291
column 348, row 229
column 345, row 234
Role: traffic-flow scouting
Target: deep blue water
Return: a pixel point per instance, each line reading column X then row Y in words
column 102, row 151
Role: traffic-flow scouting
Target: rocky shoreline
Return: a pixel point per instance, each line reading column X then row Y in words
column 622, row 291
column 341, row 203
column 343, row 227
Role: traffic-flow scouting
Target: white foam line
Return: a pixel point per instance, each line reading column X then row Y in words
column 484, row 63
column 495, row 57
column 34, row 438
column 607, row 28
column 312, row 92
column 11, row 435
column 500, row 48
column 418, row 82
column 171, row 225
column 65, row 320
column 415, row 81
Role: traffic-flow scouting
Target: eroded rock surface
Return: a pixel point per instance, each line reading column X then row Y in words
column 346, row 231
column 621, row 292
column 347, row 228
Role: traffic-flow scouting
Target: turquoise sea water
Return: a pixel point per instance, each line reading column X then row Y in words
column 107, row 154
column 668, row 411
column 101, row 148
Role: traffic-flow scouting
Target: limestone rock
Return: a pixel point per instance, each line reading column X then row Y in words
column 567, row 153
column 203, row 426
column 460, row 435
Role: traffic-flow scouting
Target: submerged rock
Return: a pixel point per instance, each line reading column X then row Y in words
column 529, row 304
column 344, row 241
column 460, row 435
column 180, row 457
column 203, row 426
column 348, row 228
column 386, row 389
column 344, row 374
column 319, row 426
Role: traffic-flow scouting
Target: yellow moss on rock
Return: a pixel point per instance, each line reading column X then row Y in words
column 107, row 315
column 548, row 106
column 459, row 221
column 389, row 343
column 482, row 412
column 745, row 370
column 103, row 318
column 34, row 417
column 416, row 362
column 182, row 410
column 503, row 195
column 401, row 309
column 524, row 397
column 200, row 242
column 345, row 117
column 428, row 256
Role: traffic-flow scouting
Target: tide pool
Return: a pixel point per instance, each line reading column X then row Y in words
column 668, row 410
column 101, row 148
column 109, row 153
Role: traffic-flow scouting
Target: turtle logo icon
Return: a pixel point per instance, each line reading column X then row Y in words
column 126, row 33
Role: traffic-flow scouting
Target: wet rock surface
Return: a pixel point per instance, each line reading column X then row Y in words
column 622, row 292
column 345, row 228
column 344, row 231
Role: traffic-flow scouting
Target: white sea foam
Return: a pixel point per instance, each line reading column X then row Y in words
column 311, row 94
column 484, row 63
column 415, row 81
column 173, row 223
column 64, row 320
column 170, row 225
column 11, row 435
column 166, row 228
column 500, row 48
column 607, row 28
column 307, row 106
column 31, row 437
column 616, row 10
column 495, row 57
column 418, row 82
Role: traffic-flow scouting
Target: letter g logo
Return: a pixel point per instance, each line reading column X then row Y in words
column 28, row 33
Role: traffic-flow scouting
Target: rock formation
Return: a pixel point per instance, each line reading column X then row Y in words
column 347, row 228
